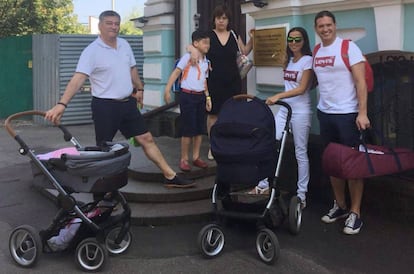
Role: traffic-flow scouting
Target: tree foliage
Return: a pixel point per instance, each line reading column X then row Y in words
column 128, row 27
column 25, row 17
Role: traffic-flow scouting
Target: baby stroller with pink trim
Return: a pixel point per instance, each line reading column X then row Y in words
column 92, row 229
column 244, row 146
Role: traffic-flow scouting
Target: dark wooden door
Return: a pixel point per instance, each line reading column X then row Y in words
column 205, row 9
column 391, row 104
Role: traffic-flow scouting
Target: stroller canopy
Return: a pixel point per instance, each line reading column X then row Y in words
column 244, row 128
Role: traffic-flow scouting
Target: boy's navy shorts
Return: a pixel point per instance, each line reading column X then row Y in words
column 339, row 128
column 193, row 114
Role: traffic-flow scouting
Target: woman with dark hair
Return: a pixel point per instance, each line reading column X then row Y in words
column 297, row 75
column 224, row 79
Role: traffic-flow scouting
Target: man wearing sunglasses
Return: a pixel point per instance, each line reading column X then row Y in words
column 342, row 111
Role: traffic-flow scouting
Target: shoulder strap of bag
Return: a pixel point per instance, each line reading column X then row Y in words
column 237, row 40
column 385, row 142
column 314, row 79
column 315, row 49
column 184, row 73
column 344, row 53
column 363, row 143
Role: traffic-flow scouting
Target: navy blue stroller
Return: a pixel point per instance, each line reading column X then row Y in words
column 95, row 230
column 244, row 146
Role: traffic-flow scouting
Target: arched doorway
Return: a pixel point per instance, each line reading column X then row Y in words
column 205, row 10
column 391, row 104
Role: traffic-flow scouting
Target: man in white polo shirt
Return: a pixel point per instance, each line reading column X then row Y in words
column 111, row 67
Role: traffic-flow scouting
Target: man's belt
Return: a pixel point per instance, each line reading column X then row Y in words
column 126, row 99
column 192, row 91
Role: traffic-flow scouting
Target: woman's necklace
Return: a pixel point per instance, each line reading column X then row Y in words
column 296, row 58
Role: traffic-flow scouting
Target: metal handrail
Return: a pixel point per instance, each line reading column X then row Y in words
column 160, row 109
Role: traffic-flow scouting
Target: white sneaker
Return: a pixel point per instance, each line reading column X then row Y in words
column 302, row 204
column 334, row 214
column 353, row 224
column 259, row 191
column 210, row 155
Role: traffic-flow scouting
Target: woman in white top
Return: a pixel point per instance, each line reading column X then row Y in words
column 297, row 79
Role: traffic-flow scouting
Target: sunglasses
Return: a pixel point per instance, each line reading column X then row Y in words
column 294, row 39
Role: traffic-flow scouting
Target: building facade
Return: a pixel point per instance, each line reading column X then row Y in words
column 380, row 28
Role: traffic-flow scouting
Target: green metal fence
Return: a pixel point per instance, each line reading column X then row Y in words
column 15, row 75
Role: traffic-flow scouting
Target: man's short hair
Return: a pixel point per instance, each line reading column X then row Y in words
column 324, row 13
column 108, row 13
column 198, row 35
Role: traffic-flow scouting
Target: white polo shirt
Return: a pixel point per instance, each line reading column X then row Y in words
column 109, row 69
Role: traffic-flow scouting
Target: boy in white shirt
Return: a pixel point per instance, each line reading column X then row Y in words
column 194, row 99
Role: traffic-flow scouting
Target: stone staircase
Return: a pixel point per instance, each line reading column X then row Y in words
column 154, row 204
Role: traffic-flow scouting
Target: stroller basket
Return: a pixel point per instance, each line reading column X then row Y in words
column 92, row 169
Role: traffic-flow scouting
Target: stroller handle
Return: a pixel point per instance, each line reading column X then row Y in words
column 15, row 116
column 8, row 125
column 243, row 96
column 251, row 97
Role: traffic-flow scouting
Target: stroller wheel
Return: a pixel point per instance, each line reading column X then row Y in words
column 114, row 248
column 91, row 255
column 25, row 245
column 211, row 240
column 267, row 246
column 295, row 215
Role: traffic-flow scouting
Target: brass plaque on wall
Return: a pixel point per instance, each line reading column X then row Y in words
column 269, row 47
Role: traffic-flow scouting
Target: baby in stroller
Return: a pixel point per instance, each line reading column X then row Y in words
column 246, row 151
column 92, row 228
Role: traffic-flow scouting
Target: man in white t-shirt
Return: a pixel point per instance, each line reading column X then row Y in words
column 110, row 65
column 342, row 111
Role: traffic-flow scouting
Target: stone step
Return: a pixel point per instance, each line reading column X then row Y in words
column 155, row 192
column 142, row 169
column 171, row 213
column 157, row 177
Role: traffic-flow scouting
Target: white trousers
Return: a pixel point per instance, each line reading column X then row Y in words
column 300, row 125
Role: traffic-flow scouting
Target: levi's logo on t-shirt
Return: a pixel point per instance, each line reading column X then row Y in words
column 290, row 75
column 326, row 61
